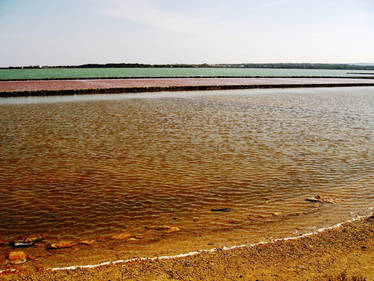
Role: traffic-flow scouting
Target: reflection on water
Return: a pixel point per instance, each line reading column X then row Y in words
column 87, row 166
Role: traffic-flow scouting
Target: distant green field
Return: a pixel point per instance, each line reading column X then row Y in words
column 61, row 73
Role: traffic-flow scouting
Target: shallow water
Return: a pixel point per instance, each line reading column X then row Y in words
column 53, row 73
column 92, row 166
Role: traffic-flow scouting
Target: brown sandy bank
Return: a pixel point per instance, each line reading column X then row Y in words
column 347, row 250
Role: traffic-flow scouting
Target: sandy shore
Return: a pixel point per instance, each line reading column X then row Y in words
column 97, row 86
column 347, row 250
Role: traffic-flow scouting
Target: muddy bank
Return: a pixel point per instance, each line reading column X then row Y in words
column 348, row 249
column 164, row 89
column 102, row 86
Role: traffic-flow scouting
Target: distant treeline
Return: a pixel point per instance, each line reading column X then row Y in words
column 242, row 65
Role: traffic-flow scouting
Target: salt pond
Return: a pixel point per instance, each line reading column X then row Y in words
column 89, row 167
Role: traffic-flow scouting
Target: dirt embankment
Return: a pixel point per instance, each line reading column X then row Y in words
column 102, row 86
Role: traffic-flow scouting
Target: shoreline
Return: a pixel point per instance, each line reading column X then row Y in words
column 105, row 86
column 344, row 248
column 199, row 252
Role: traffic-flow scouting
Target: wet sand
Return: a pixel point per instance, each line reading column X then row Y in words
column 346, row 250
column 95, row 86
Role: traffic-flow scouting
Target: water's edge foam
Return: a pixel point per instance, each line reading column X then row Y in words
column 198, row 252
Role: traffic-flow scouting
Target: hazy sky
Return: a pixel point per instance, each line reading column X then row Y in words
column 64, row 32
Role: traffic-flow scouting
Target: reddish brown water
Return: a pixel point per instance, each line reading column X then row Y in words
column 93, row 166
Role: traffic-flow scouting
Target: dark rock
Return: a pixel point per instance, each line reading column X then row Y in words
column 370, row 218
column 163, row 228
column 221, row 210
column 319, row 199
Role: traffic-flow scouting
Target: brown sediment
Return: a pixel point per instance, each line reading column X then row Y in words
column 348, row 249
column 102, row 86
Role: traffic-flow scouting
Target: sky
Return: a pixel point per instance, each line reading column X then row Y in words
column 73, row 32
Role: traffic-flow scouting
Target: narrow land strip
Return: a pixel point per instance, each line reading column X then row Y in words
column 101, row 86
